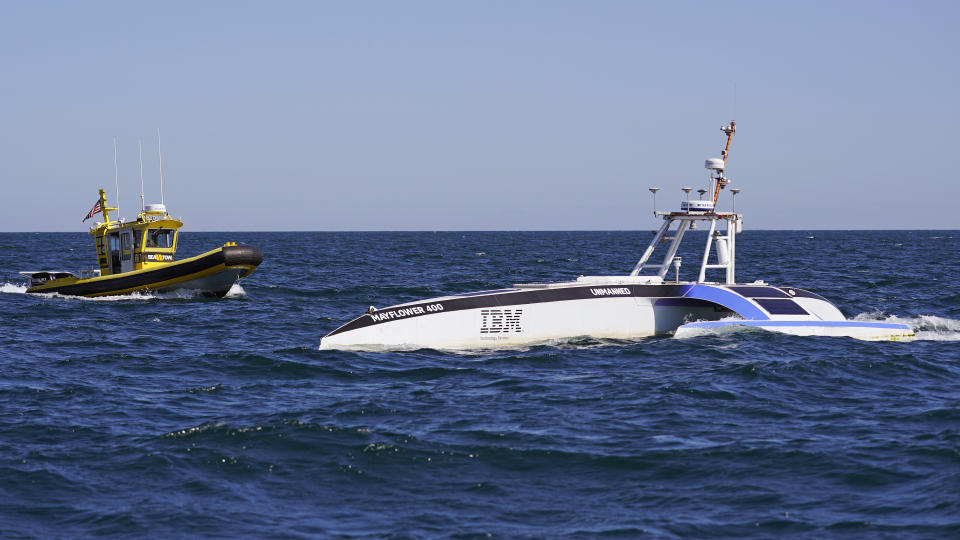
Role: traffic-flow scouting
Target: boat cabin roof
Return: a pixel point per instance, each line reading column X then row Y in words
column 143, row 221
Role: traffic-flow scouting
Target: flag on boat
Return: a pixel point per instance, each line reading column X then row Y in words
column 93, row 211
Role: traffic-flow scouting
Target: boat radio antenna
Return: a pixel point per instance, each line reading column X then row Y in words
column 160, row 156
column 140, row 151
column 116, row 174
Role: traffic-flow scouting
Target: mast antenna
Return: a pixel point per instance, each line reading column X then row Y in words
column 116, row 174
column 160, row 156
column 140, row 151
column 729, row 129
column 722, row 181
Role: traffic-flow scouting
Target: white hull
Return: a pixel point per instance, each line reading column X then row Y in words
column 598, row 307
column 520, row 325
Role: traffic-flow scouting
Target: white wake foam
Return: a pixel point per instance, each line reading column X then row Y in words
column 691, row 332
column 135, row 296
column 688, row 332
column 13, row 288
column 22, row 289
column 178, row 294
column 236, row 291
column 926, row 327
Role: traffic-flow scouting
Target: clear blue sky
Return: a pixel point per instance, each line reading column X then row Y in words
column 455, row 115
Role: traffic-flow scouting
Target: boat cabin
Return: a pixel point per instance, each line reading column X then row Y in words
column 146, row 243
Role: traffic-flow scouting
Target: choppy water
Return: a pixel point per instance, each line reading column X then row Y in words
column 169, row 416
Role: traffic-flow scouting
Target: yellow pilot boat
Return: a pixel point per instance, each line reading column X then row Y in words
column 138, row 256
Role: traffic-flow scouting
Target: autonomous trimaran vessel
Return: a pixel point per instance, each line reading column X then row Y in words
column 619, row 307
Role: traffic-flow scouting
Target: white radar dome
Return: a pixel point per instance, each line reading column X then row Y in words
column 714, row 164
column 155, row 208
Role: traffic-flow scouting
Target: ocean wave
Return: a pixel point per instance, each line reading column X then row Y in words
column 159, row 416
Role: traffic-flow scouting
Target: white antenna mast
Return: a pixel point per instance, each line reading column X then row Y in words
column 140, row 150
column 116, row 175
column 159, row 155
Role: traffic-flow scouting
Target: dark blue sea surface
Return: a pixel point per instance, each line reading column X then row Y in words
column 178, row 416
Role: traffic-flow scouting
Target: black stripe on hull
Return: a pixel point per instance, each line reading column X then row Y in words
column 227, row 256
column 671, row 295
column 512, row 298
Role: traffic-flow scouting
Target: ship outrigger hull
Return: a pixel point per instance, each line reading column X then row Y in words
column 210, row 274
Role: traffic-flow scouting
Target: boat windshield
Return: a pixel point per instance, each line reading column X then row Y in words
column 160, row 238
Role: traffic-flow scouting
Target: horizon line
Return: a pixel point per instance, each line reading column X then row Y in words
column 481, row 230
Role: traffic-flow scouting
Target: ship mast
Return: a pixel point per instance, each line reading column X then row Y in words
column 104, row 209
column 721, row 180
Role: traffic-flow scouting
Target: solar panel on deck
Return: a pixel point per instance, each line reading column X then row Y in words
column 779, row 306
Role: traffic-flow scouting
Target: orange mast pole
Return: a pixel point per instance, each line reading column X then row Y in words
column 732, row 129
column 729, row 130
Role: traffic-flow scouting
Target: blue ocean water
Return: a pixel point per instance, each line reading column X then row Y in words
column 180, row 416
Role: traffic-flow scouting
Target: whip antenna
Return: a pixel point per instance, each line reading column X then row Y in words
column 140, row 151
column 116, row 174
column 160, row 156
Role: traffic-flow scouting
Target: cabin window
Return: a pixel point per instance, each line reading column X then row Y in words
column 160, row 238
column 137, row 237
column 125, row 242
column 113, row 242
